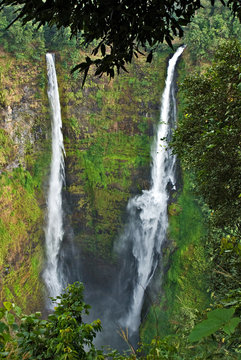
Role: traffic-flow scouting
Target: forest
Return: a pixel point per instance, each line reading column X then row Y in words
column 190, row 303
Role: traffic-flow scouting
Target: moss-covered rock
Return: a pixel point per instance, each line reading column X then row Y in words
column 108, row 128
column 24, row 159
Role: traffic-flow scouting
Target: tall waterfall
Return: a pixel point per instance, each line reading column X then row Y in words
column 148, row 219
column 54, row 228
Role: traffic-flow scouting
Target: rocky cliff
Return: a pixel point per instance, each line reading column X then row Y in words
column 24, row 159
column 108, row 128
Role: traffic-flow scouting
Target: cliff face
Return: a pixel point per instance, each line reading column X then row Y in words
column 108, row 128
column 23, row 161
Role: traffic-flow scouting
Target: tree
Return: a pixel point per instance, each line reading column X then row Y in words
column 207, row 139
column 120, row 29
column 209, row 27
column 64, row 335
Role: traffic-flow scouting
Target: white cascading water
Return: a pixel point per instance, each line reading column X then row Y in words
column 54, row 227
column 149, row 231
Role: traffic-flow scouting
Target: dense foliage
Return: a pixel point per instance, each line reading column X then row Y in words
column 208, row 136
column 120, row 28
column 29, row 42
column 207, row 141
column 64, row 335
column 209, row 27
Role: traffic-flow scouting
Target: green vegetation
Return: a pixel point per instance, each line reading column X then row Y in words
column 30, row 43
column 107, row 167
column 21, row 253
column 209, row 28
column 208, row 135
column 6, row 148
column 24, row 159
column 63, row 335
column 216, row 319
column 21, row 256
column 118, row 32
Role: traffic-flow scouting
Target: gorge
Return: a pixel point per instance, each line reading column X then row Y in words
column 138, row 249
column 95, row 183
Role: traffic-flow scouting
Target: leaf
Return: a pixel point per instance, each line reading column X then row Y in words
column 10, row 318
column 231, row 325
column 18, row 310
column 7, row 305
column 80, row 66
column 123, row 67
column 102, row 48
column 2, row 313
column 221, row 315
column 169, row 41
column 85, row 75
column 15, row 326
column 59, row 348
column 217, row 319
column 42, row 331
column 211, row 146
column 203, row 329
column 149, row 57
column 3, row 327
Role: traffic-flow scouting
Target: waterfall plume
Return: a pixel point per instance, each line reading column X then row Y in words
column 147, row 223
column 54, row 225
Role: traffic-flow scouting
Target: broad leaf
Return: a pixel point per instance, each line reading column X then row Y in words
column 10, row 318
column 203, row 329
column 217, row 319
column 221, row 315
column 7, row 305
column 231, row 325
column 2, row 313
column 3, row 327
column 18, row 310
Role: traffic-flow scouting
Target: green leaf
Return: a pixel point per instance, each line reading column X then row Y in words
column 203, row 329
column 231, row 325
column 217, row 319
column 18, row 310
column 221, row 315
column 10, row 318
column 3, row 327
column 59, row 348
column 2, row 313
column 15, row 326
column 42, row 331
column 7, row 305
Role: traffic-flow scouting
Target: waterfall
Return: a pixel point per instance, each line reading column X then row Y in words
column 148, row 219
column 54, row 227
